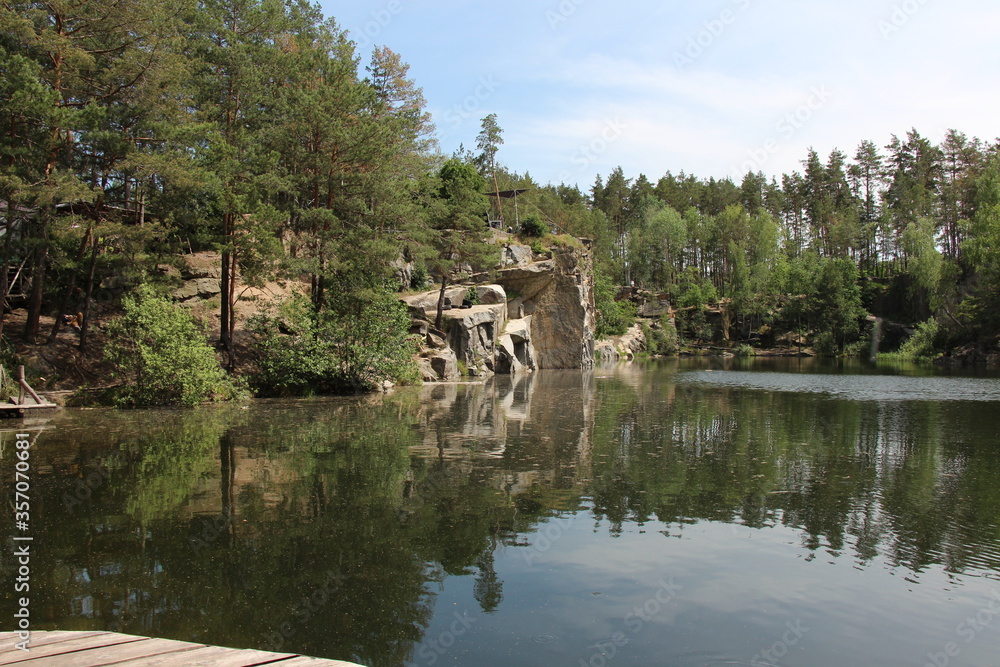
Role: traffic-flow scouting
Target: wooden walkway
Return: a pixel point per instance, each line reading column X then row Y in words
column 27, row 400
column 95, row 649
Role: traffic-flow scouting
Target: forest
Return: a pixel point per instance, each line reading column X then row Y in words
column 132, row 133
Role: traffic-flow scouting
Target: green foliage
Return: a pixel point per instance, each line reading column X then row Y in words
column 613, row 317
column 693, row 325
column 533, row 227
column 161, row 357
column 356, row 347
column 744, row 350
column 920, row 346
column 661, row 339
column 834, row 306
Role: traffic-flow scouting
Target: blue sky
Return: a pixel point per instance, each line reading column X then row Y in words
column 711, row 88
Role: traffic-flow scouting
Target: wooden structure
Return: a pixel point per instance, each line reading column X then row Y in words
column 27, row 399
column 94, row 649
column 496, row 217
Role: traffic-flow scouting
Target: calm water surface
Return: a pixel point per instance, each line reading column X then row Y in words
column 790, row 513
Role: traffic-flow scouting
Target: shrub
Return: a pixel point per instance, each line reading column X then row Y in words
column 356, row 346
column 613, row 317
column 919, row 346
column 533, row 227
column 162, row 356
column 661, row 340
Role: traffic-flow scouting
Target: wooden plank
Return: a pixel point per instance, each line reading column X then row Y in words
column 65, row 643
column 98, row 656
column 303, row 661
column 94, row 649
column 45, row 637
column 210, row 656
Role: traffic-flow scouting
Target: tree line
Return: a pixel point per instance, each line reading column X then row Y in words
column 133, row 132
column 907, row 231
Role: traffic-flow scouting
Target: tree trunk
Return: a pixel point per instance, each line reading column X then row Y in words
column 85, row 325
column 35, row 298
column 440, row 308
column 5, row 264
column 71, row 285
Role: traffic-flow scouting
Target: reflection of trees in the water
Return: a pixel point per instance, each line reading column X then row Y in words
column 276, row 527
column 916, row 482
column 324, row 526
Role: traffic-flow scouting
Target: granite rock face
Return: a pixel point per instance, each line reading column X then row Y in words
column 558, row 295
column 540, row 315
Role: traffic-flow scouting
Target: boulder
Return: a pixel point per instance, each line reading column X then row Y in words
column 491, row 295
column 438, row 364
column 655, row 308
column 473, row 333
column 514, row 352
column 204, row 288
column 424, row 305
column 516, row 255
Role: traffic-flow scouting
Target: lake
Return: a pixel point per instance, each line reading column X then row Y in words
column 693, row 512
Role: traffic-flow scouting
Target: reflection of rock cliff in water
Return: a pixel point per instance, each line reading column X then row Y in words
column 499, row 420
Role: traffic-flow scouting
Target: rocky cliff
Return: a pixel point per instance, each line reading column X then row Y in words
column 539, row 314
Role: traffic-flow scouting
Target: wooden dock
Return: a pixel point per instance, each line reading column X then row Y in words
column 96, row 649
column 27, row 400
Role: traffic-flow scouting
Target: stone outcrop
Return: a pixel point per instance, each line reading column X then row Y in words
column 626, row 346
column 558, row 294
column 474, row 334
column 204, row 288
column 516, row 255
column 540, row 315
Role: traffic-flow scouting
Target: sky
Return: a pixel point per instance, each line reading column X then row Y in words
column 714, row 89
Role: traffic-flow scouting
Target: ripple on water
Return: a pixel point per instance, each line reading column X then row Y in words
column 855, row 387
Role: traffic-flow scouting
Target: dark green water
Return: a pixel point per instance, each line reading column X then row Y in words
column 783, row 514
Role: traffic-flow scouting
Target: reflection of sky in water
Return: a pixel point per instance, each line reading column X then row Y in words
column 872, row 523
column 572, row 595
column 855, row 387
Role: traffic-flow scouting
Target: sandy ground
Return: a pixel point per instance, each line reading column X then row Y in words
column 62, row 367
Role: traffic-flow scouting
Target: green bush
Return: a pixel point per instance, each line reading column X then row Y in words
column 661, row 340
column 161, row 356
column 693, row 325
column 613, row 317
column 356, row 346
column 825, row 344
column 919, row 346
column 533, row 227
